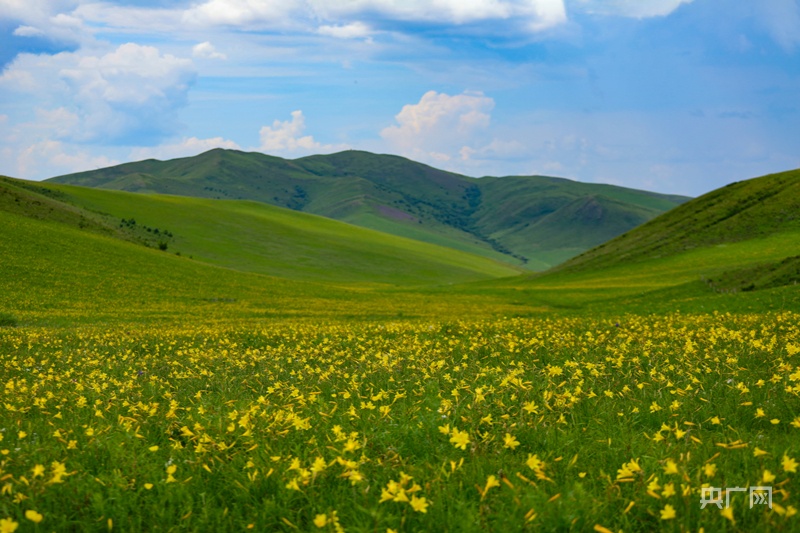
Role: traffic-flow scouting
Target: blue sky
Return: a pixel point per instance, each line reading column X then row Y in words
column 677, row 96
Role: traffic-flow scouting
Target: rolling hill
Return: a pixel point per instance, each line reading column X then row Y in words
column 250, row 236
column 534, row 221
column 67, row 258
column 741, row 211
column 742, row 238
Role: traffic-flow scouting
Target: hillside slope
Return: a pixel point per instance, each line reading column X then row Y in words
column 705, row 254
column 526, row 220
column 741, row 211
column 251, row 236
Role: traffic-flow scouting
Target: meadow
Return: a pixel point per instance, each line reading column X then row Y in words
column 146, row 390
column 500, row 424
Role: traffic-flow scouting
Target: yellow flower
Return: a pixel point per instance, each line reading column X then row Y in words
column 534, row 463
column 758, row 452
column 668, row 512
column 38, row 470
column 510, row 441
column 710, row 469
column 789, row 464
column 321, row 520
column 59, row 471
column 153, row 448
column 767, row 477
column 420, row 505
column 319, row 465
column 148, row 486
column 669, row 490
column 491, row 482
column 171, row 469
column 671, row 467
column 7, row 525
column 460, row 439
column 33, row 516
column 628, row 470
column 728, row 513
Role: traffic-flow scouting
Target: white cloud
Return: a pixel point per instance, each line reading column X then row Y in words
column 440, row 127
column 51, row 19
column 29, row 31
column 542, row 13
column 782, row 20
column 107, row 17
column 206, row 50
column 287, row 137
column 539, row 14
column 132, row 90
column 51, row 158
column 240, row 13
column 630, row 8
column 354, row 30
column 185, row 148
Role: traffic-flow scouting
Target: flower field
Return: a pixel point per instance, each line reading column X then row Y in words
column 568, row 423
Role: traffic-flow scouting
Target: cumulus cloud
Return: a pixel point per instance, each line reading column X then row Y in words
column 240, row 12
column 287, row 137
column 184, row 148
column 630, row 8
column 206, row 50
column 354, row 30
column 440, row 127
column 540, row 12
column 49, row 19
column 253, row 13
column 130, row 91
column 51, row 158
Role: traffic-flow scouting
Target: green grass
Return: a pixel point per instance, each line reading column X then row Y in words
column 269, row 424
column 148, row 391
column 253, row 237
column 56, row 273
column 533, row 221
column 741, row 211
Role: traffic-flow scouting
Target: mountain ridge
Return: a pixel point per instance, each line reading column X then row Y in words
column 492, row 216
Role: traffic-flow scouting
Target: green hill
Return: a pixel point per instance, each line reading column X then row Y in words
column 741, row 238
column 67, row 257
column 739, row 212
column 255, row 237
column 533, row 221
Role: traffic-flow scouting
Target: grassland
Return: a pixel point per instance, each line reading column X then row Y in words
column 145, row 391
column 530, row 221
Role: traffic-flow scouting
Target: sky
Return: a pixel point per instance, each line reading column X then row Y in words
column 674, row 96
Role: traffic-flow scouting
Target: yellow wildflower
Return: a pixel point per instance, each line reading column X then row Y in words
column 33, row 516
column 668, row 512
column 510, row 441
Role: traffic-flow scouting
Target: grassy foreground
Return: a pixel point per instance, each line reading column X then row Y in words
column 465, row 425
column 145, row 391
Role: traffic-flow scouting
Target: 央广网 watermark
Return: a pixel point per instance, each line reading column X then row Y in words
column 713, row 496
